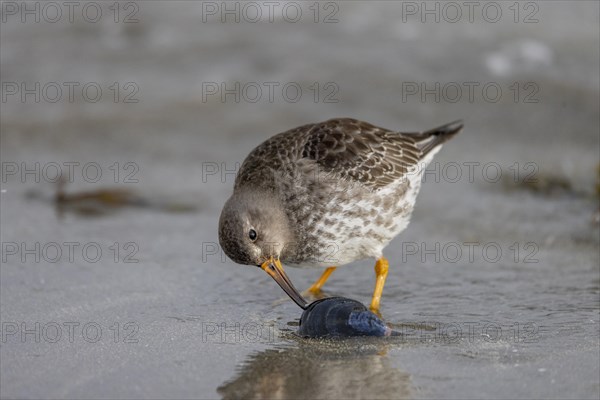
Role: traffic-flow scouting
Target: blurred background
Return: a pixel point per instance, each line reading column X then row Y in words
column 122, row 126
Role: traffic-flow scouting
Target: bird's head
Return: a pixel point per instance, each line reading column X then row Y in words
column 253, row 230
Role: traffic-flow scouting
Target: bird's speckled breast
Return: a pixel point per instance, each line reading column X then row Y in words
column 344, row 222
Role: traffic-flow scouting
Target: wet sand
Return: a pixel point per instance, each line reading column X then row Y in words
column 495, row 283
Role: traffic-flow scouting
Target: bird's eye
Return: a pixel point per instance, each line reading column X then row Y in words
column 252, row 235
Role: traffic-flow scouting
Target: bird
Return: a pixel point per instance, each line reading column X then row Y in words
column 324, row 195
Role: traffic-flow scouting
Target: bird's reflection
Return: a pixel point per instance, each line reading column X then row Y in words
column 348, row 369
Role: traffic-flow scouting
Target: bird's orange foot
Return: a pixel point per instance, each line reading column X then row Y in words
column 315, row 289
column 381, row 271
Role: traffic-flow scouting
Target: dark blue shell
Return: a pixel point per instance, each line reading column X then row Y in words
column 337, row 317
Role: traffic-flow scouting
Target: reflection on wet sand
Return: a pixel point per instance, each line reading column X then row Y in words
column 348, row 369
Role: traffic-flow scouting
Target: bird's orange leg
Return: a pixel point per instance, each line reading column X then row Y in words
column 381, row 271
column 316, row 287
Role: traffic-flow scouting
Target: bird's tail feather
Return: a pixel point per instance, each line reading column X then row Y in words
column 429, row 140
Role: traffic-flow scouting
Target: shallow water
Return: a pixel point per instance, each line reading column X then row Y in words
column 160, row 312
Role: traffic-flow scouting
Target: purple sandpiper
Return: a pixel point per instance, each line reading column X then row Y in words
column 324, row 195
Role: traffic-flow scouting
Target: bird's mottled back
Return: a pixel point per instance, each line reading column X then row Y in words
column 342, row 148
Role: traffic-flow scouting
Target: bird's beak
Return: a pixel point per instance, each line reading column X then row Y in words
column 273, row 267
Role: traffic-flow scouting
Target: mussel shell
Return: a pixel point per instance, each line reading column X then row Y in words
column 338, row 317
